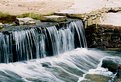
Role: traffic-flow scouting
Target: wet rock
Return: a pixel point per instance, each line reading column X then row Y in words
column 25, row 21
column 54, row 18
column 110, row 64
column 99, row 78
column 113, row 64
column 46, row 64
column 119, row 71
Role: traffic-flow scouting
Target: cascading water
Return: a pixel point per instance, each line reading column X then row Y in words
column 67, row 63
column 41, row 42
column 66, row 67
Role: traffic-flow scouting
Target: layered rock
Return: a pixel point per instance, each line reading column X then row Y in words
column 107, row 33
column 89, row 12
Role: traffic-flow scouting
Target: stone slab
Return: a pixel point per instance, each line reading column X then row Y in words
column 84, row 8
column 54, row 18
column 24, row 21
column 111, row 19
column 113, row 5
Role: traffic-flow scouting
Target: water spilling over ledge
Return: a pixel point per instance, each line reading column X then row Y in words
column 23, row 46
column 38, row 42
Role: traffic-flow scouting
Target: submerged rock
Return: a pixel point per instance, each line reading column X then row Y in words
column 46, row 64
column 24, row 21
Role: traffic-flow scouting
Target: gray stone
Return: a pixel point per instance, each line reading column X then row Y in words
column 54, row 18
column 25, row 21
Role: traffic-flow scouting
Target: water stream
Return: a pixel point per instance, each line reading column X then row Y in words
column 66, row 67
column 50, row 54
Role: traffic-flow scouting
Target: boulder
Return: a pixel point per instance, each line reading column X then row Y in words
column 54, row 18
column 25, row 21
column 113, row 64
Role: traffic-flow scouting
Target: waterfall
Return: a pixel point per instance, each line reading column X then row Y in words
column 40, row 42
column 25, row 54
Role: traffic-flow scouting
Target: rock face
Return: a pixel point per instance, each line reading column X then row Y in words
column 107, row 33
column 103, row 36
column 54, row 18
column 24, row 21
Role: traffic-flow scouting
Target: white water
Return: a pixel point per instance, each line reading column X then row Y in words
column 66, row 67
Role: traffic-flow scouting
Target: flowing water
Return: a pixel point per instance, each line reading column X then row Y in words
column 63, row 52
column 66, row 67
column 41, row 42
